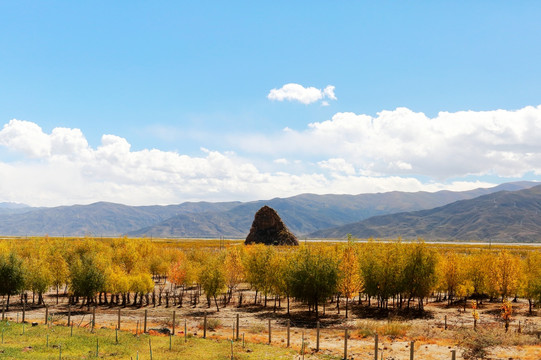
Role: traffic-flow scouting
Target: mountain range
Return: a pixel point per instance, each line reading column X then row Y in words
column 504, row 216
column 305, row 215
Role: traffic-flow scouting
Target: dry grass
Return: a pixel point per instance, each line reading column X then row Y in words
column 393, row 329
column 477, row 343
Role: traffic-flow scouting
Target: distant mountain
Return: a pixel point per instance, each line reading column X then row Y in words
column 303, row 214
column 306, row 213
column 13, row 208
column 98, row 219
column 12, row 205
column 501, row 216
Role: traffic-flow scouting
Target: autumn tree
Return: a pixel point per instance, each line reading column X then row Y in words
column 59, row 270
column 234, row 270
column 419, row 275
column 382, row 266
column 506, row 313
column 212, row 278
column 283, row 272
column 140, row 284
column 505, row 274
column 531, row 289
column 38, row 277
column 452, row 274
column 86, row 279
column 259, row 271
column 350, row 282
column 118, row 284
column 477, row 272
column 314, row 275
column 11, row 275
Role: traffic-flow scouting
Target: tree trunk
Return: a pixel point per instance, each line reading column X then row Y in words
column 216, row 302
column 347, row 307
column 240, row 300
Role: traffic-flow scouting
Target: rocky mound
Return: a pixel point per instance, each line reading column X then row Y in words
column 269, row 229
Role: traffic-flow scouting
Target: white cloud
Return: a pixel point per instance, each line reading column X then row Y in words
column 304, row 95
column 26, row 137
column 328, row 92
column 281, row 161
column 61, row 168
column 337, row 166
column 403, row 142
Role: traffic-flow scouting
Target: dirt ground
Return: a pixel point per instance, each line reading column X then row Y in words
column 397, row 329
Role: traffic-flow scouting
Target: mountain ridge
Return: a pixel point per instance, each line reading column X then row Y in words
column 504, row 216
column 302, row 214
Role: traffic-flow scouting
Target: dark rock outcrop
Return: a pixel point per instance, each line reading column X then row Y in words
column 269, row 229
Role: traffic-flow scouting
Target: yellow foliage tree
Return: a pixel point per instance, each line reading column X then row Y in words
column 350, row 281
column 234, row 270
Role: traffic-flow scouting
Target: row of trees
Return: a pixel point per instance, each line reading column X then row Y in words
column 133, row 271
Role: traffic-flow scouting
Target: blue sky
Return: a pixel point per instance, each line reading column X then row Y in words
column 187, row 85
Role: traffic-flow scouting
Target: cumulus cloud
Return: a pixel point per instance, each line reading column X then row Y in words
column 61, row 168
column 337, row 166
column 304, row 95
column 403, row 142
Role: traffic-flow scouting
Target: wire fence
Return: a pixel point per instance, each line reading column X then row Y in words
column 304, row 336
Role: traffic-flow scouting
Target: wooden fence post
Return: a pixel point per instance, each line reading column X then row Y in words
column 317, row 336
column 238, row 325
column 270, row 332
column 376, row 347
column 445, row 322
column 412, row 349
column 185, row 331
column 453, row 354
column 46, row 314
column 93, row 318
column 302, row 345
column 118, row 320
column 205, row 327
column 69, row 315
column 145, row 323
column 174, row 320
column 24, row 310
column 346, row 344
column 288, row 332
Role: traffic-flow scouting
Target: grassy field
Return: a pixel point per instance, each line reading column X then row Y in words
column 40, row 342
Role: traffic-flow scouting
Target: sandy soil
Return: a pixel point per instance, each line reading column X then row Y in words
column 431, row 339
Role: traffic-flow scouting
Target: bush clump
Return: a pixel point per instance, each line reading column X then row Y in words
column 391, row 328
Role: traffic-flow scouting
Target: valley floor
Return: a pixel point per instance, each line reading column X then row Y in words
column 396, row 329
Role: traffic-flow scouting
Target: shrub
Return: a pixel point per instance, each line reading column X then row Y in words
column 212, row 324
column 257, row 328
column 476, row 343
column 390, row 328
